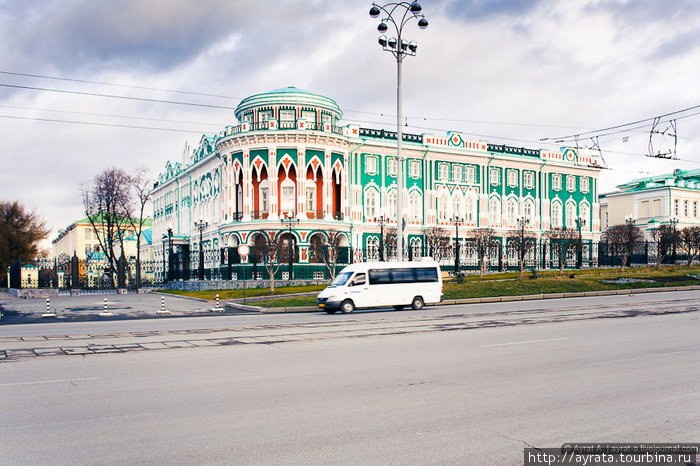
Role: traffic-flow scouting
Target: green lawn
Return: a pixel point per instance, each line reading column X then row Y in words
column 500, row 284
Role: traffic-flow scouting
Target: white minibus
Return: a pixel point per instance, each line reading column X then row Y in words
column 383, row 284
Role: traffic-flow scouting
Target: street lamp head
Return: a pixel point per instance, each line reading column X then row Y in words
column 392, row 42
column 374, row 11
column 422, row 23
column 412, row 46
column 404, row 44
column 382, row 41
column 416, row 8
column 382, row 28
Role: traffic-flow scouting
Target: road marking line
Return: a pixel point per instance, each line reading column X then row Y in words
column 46, row 381
column 524, row 342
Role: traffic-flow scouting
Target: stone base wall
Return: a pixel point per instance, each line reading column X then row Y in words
column 196, row 285
column 33, row 292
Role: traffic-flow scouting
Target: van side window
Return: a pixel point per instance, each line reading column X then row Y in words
column 426, row 274
column 379, row 276
column 358, row 280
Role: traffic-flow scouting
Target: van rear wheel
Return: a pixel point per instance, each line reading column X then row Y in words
column 347, row 306
column 417, row 303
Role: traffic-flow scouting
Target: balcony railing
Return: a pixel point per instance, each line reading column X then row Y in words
column 315, row 214
column 273, row 125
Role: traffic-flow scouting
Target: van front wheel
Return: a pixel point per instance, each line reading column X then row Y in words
column 347, row 306
column 417, row 303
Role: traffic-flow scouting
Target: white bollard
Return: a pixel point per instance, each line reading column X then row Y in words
column 217, row 308
column 162, row 310
column 105, row 312
column 48, row 312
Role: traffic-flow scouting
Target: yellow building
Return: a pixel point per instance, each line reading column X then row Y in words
column 80, row 239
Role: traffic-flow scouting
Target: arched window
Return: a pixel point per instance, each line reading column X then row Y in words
column 556, row 214
column 310, row 197
column 416, row 247
column 495, row 211
column 288, row 198
column 443, row 201
column 529, row 212
column 264, row 195
column 458, row 206
column 414, row 205
column 570, row 215
column 373, row 249
column 470, row 214
column 512, row 212
column 585, row 217
column 371, row 203
column 391, row 204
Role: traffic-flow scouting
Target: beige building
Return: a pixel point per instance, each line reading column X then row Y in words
column 663, row 198
column 80, row 239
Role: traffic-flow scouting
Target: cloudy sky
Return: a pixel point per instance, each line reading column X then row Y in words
column 506, row 71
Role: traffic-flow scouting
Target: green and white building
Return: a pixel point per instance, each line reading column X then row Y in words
column 290, row 155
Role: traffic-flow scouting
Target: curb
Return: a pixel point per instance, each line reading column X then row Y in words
column 498, row 299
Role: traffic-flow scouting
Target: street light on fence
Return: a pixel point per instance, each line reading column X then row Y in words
column 580, row 222
column 456, row 220
column 201, row 225
column 381, row 222
column 290, row 220
column 399, row 47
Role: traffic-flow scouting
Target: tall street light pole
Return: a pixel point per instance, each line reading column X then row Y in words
column 201, row 225
column 398, row 14
column 380, row 220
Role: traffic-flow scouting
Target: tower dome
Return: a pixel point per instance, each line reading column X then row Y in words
column 288, row 97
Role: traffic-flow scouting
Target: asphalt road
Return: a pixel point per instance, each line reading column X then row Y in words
column 460, row 385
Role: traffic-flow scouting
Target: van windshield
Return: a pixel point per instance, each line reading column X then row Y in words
column 341, row 279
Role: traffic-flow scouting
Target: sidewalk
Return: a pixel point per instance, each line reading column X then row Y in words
column 89, row 307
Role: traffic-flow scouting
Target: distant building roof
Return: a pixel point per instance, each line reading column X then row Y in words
column 679, row 179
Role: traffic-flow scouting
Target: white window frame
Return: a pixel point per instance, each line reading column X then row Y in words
column 585, row 215
column 371, row 164
column 414, row 169
column 556, row 182
column 310, row 196
column 392, row 166
column 443, row 171
column 571, row 215
column 495, row 211
column 457, row 173
column 470, row 174
column 585, row 184
column 494, row 176
column 557, row 214
column 570, row 183
column 286, row 113
column 511, row 211
column 512, row 178
column 287, row 201
column 528, row 180
column 470, row 211
column 264, row 195
column 458, row 206
column 391, row 204
column 371, row 203
column 414, row 205
column 443, row 206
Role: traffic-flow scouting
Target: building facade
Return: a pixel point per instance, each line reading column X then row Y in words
column 80, row 239
column 290, row 157
column 657, row 199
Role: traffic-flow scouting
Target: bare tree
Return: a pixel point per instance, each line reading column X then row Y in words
column 327, row 250
column 689, row 242
column 483, row 239
column 141, row 184
column 389, row 243
column 663, row 238
column 438, row 242
column 108, row 207
column 267, row 248
column 561, row 241
column 524, row 242
column 623, row 239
